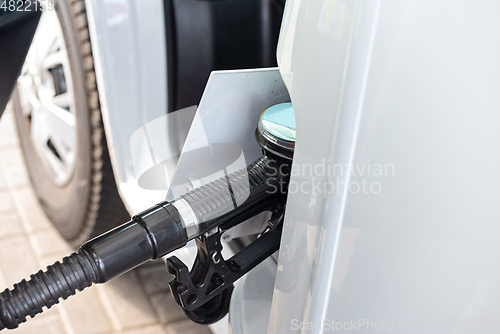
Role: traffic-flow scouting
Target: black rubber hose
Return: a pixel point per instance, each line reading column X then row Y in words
column 60, row 280
column 148, row 236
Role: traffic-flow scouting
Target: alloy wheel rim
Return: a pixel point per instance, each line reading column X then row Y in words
column 47, row 100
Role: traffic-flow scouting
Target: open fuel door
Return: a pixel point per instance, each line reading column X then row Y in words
column 17, row 28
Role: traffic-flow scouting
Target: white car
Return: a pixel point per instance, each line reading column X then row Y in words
column 391, row 218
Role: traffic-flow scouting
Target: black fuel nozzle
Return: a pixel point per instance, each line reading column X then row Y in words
column 150, row 235
column 167, row 226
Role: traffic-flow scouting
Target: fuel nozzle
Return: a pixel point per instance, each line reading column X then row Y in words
column 149, row 235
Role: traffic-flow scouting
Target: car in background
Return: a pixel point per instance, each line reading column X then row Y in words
column 99, row 70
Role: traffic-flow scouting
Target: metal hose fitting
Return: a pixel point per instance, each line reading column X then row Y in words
column 201, row 208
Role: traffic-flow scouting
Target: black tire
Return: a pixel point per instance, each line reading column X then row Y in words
column 89, row 203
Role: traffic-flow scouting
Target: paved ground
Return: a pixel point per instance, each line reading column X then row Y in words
column 137, row 302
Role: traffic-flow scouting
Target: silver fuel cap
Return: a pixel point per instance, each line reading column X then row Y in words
column 276, row 130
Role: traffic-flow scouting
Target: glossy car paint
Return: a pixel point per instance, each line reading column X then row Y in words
column 408, row 89
column 129, row 49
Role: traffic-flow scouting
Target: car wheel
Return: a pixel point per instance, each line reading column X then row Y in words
column 58, row 118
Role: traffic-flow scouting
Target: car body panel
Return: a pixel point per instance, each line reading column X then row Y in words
column 402, row 95
column 129, row 49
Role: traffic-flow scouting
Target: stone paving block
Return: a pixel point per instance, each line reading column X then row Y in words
column 3, row 284
column 14, row 169
column 86, row 314
column 30, row 212
column 9, row 224
column 48, row 242
column 50, row 259
column 6, row 203
column 155, row 329
column 16, row 175
column 155, row 277
column 8, row 132
column 186, row 327
column 11, row 156
column 127, row 303
column 167, row 308
column 42, row 325
column 3, row 184
column 17, row 260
